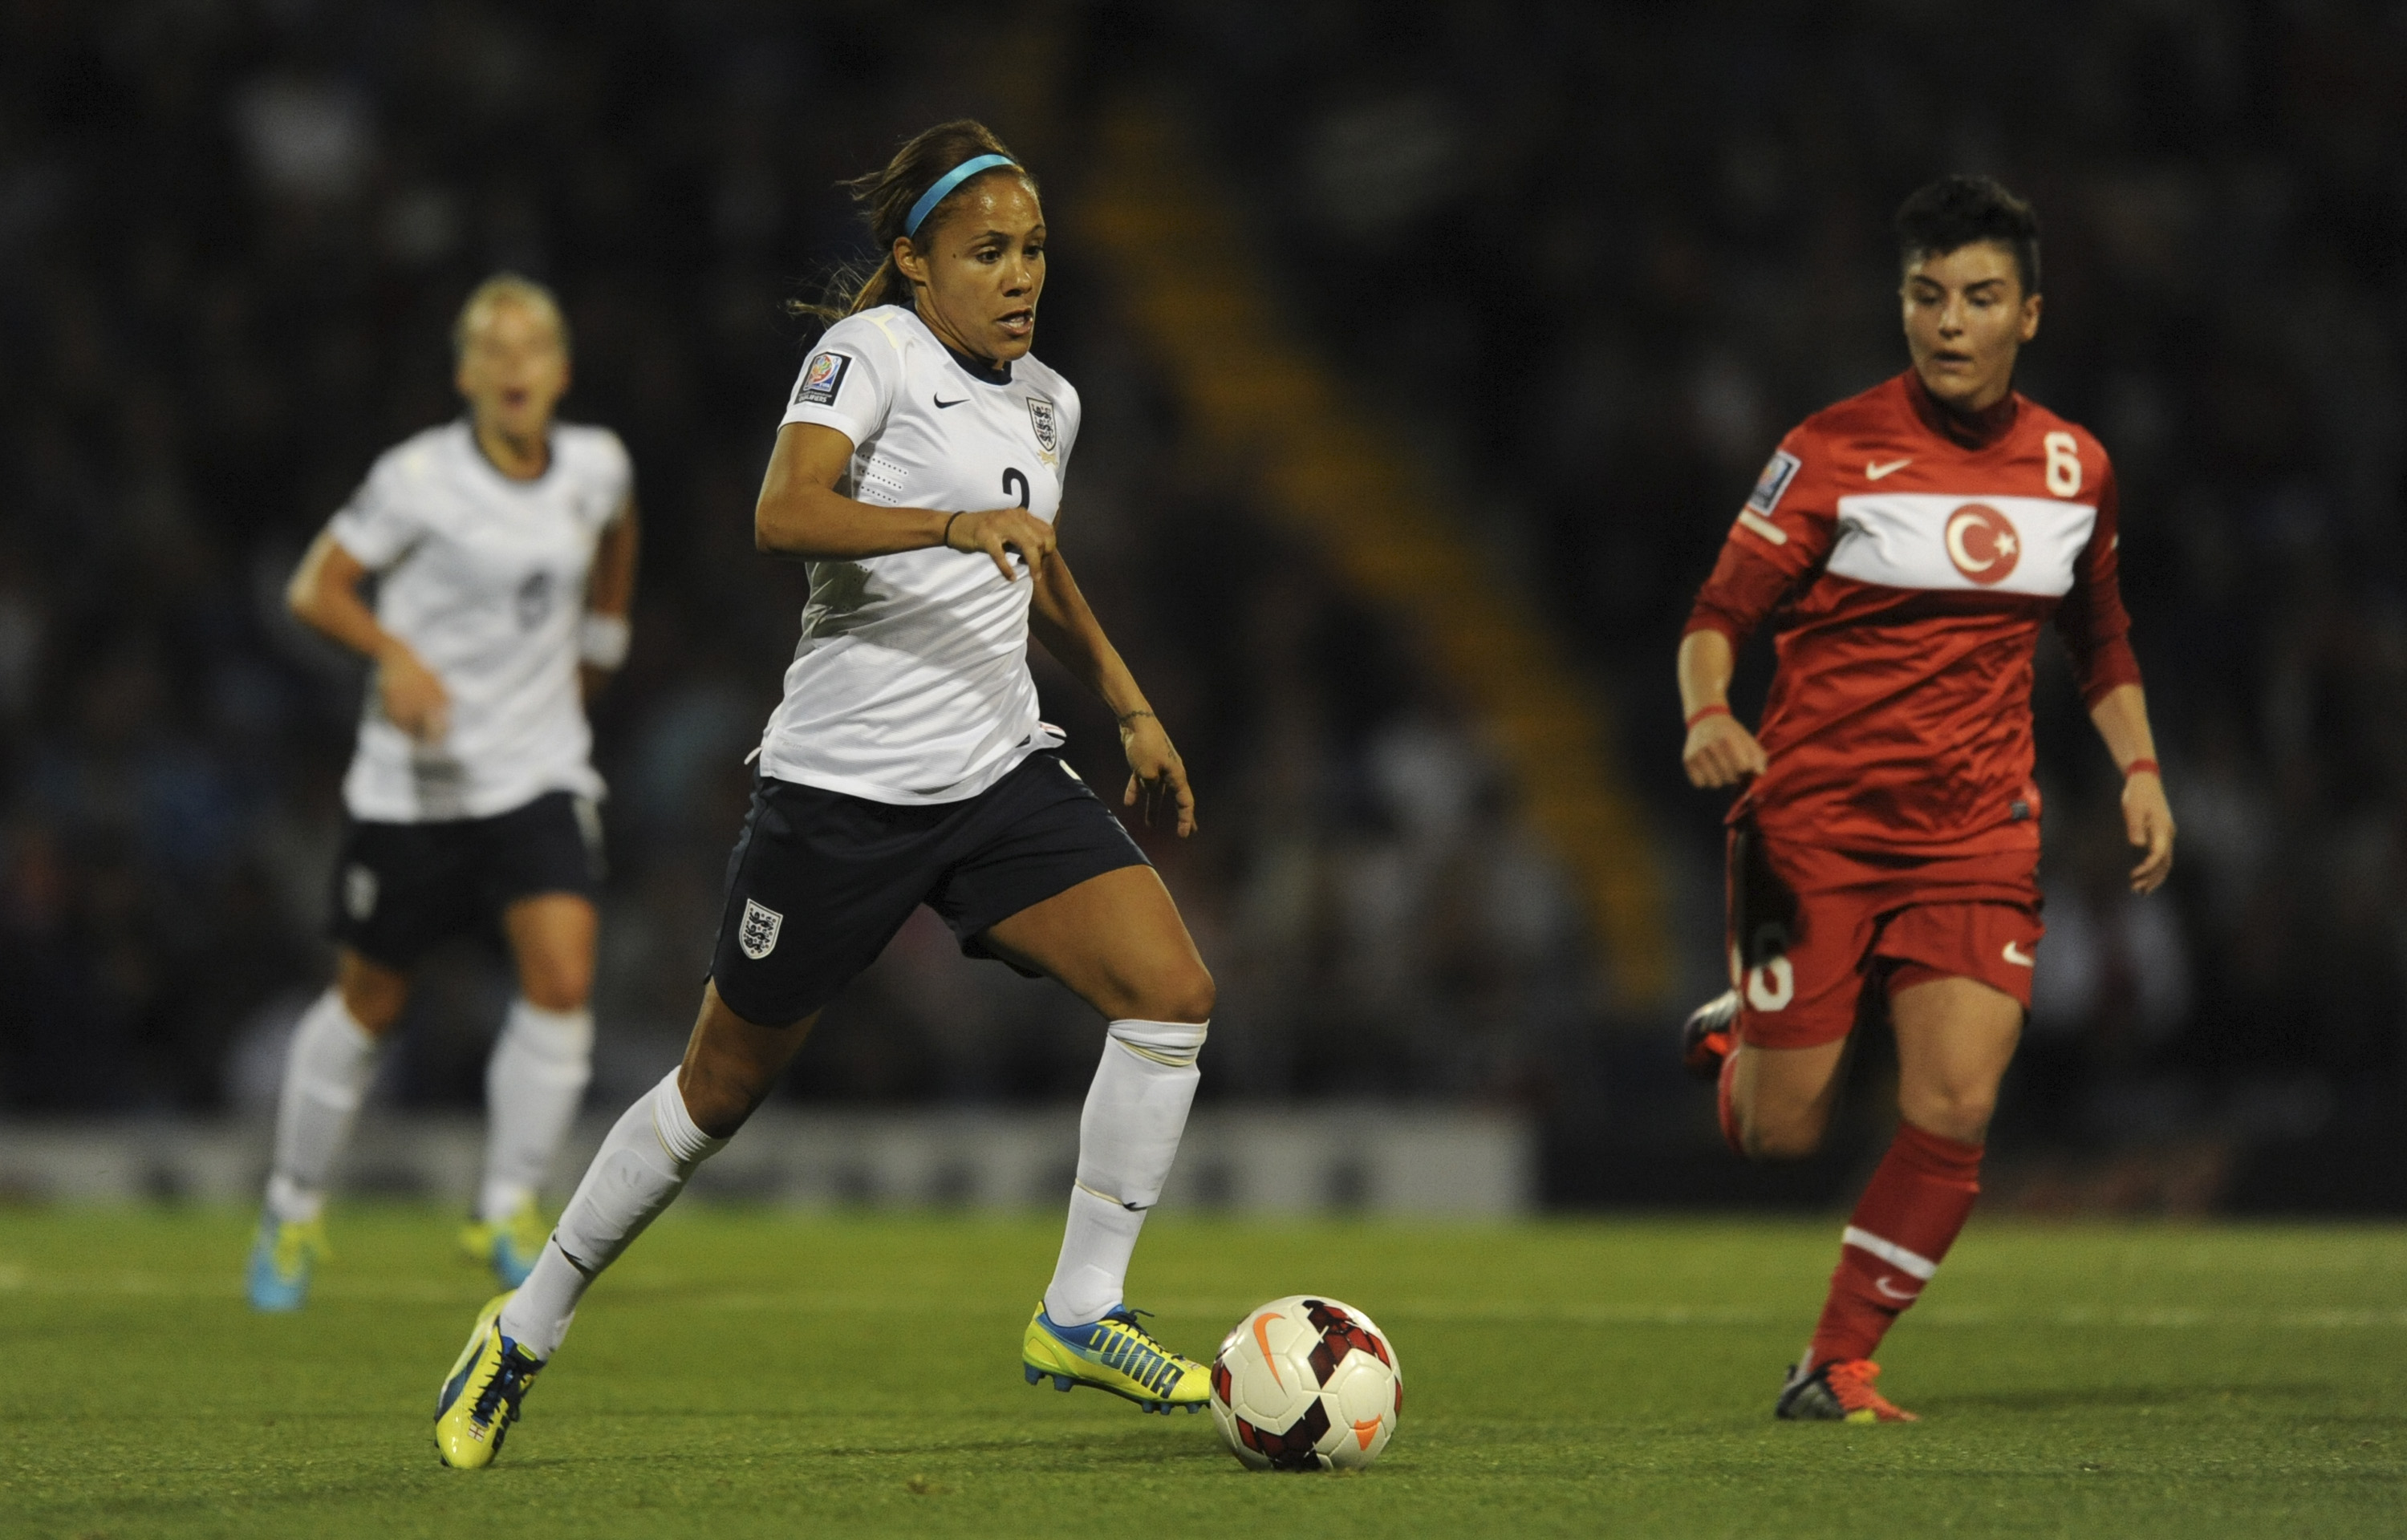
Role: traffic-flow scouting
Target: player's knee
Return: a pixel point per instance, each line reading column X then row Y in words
column 1960, row 1112
column 556, row 983
column 1185, row 994
column 374, row 996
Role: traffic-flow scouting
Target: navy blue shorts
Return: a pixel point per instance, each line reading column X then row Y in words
column 400, row 888
column 820, row 882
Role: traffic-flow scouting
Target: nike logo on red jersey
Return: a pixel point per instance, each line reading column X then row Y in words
column 1874, row 472
column 2020, row 958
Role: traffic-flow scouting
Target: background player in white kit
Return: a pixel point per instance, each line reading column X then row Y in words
column 907, row 765
column 504, row 547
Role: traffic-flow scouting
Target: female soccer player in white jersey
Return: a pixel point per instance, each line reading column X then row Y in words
column 920, row 470
column 504, row 547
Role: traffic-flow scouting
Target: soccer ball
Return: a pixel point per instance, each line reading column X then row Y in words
column 1306, row 1384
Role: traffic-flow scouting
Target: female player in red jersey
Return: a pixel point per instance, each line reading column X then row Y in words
column 1907, row 545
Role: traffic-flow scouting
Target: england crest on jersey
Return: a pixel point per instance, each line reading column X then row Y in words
column 1046, row 426
column 757, row 932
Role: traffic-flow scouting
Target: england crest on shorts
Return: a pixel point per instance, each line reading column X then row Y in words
column 1048, row 427
column 757, row 932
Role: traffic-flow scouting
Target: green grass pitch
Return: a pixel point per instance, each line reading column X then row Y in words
column 749, row 1373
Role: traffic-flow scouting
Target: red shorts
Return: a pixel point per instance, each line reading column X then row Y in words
column 1817, row 938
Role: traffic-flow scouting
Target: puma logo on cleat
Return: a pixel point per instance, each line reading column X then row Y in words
column 1875, row 472
column 2020, row 958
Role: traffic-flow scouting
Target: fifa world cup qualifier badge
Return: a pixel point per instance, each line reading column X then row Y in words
column 821, row 379
column 757, row 932
column 1045, row 424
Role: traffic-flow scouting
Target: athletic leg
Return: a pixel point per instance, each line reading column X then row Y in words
column 537, row 1078
column 326, row 1072
column 1117, row 943
column 1777, row 1102
column 731, row 1064
column 1955, row 1037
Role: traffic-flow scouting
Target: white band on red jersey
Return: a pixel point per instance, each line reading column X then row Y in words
column 1942, row 541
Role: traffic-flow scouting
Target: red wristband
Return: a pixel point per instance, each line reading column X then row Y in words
column 1702, row 711
column 2136, row 766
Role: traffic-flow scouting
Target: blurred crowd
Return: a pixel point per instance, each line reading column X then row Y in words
column 1590, row 261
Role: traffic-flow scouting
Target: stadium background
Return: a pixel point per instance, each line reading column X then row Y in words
column 1567, row 269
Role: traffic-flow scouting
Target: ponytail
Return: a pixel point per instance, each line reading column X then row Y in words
column 886, row 197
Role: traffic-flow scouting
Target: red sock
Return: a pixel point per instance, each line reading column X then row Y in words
column 1722, row 1106
column 1918, row 1199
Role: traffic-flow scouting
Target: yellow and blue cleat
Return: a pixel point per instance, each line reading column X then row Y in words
column 283, row 1258
column 482, row 1394
column 1113, row 1354
column 508, row 1246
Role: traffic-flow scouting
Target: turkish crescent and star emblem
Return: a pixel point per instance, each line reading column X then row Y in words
column 1982, row 543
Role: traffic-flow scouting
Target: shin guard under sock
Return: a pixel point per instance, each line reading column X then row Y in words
column 1895, row 1240
column 532, row 1085
column 1128, row 1137
column 326, row 1075
column 637, row 1173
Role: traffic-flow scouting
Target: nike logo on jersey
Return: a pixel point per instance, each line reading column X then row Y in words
column 2020, row 958
column 942, row 403
column 1909, row 1295
column 1875, row 472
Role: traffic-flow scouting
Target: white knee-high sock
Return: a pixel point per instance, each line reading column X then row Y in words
column 326, row 1073
column 533, row 1083
column 1127, row 1135
column 638, row 1172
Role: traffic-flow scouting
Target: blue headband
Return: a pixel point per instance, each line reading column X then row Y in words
column 945, row 185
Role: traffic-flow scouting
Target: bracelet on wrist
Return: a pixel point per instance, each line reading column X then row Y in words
column 946, row 540
column 2141, row 766
column 1127, row 717
column 602, row 640
column 1702, row 711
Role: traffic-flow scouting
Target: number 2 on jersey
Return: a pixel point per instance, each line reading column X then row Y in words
column 1014, row 480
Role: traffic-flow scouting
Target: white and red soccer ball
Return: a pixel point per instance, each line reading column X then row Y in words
column 1306, row 1383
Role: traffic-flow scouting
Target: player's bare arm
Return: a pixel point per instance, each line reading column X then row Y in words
column 609, row 598
column 2121, row 716
column 1719, row 752
column 1070, row 631
column 325, row 595
column 801, row 515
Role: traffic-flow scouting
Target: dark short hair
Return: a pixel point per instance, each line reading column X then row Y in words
column 1955, row 212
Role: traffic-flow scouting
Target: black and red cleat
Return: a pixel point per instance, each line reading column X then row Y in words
column 1709, row 1033
column 1840, row 1391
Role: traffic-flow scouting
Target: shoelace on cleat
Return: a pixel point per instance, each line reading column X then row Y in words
column 504, row 1390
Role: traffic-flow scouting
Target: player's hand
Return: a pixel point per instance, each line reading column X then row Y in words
column 1720, row 752
column 2148, row 820
column 413, row 697
column 1000, row 532
column 1157, row 776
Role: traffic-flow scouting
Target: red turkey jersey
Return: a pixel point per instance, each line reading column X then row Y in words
column 1906, row 558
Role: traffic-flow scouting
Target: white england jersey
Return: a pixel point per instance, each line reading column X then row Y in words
column 484, row 577
column 910, row 683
